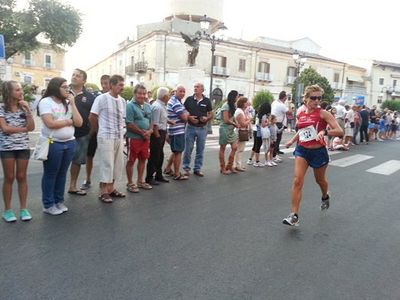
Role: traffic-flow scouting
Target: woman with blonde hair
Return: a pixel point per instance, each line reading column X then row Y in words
column 311, row 150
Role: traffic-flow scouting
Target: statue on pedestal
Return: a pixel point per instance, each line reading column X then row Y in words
column 194, row 43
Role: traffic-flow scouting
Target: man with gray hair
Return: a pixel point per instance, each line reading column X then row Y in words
column 200, row 112
column 159, row 116
column 340, row 113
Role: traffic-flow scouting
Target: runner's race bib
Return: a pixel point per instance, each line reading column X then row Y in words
column 307, row 134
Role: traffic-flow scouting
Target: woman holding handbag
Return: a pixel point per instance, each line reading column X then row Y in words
column 227, row 134
column 243, row 121
column 59, row 116
column 15, row 123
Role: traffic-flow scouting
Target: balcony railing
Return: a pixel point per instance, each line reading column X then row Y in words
column 49, row 65
column 393, row 89
column 221, row 71
column 141, row 67
column 28, row 62
column 291, row 79
column 260, row 76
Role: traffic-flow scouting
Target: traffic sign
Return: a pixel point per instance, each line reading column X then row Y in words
column 2, row 48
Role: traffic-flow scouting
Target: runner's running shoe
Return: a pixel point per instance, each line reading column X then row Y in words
column 291, row 220
column 325, row 203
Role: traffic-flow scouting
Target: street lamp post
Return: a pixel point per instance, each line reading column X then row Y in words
column 299, row 61
column 213, row 37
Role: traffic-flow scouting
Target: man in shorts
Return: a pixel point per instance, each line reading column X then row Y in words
column 177, row 117
column 139, row 129
column 84, row 101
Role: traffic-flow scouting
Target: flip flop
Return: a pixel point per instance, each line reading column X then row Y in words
column 132, row 188
column 117, row 194
column 169, row 173
column 78, row 192
column 106, row 198
column 181, row 177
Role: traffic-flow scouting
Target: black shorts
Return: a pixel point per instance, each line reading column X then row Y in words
column 257, row 142
column 91, row 151
column 316, row 158
column 16, row 154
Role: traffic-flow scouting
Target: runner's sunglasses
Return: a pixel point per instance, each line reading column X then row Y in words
column 315, row 97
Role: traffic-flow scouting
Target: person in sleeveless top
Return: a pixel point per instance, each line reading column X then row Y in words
column 311, row 149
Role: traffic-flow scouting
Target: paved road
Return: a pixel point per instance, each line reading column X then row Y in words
column 217, row 237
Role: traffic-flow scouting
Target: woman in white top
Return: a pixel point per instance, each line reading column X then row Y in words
column 243, row 122
column 59, row 116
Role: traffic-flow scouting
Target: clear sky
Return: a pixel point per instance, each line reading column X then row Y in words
column 345, row 29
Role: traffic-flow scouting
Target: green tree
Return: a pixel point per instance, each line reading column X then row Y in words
column 393, row 105
column 28, row 93
column 309, row 77
column 262, row 97
column 127, row 93
column 59, row 23
column 94, row 86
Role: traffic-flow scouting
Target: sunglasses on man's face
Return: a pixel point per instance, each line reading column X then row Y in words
column 315, row 97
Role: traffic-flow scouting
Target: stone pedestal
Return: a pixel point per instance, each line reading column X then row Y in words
column 188, row 76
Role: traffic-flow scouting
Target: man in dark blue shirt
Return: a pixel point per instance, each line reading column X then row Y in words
column 84, row 101
column 200, row 112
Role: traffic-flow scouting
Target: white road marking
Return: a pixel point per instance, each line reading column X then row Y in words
column 387, row 168
column 350, row 160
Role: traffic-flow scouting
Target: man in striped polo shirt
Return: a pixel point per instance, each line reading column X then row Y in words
column 177, row 117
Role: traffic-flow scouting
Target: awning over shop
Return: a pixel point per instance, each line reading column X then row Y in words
column 355, row 78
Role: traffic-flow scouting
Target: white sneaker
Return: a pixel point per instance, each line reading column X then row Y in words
column 250, row 162
column 62, row 207
column 52, row 210
column 268, row 163
column 258, row 164
column 273, row 164
column 277, row 159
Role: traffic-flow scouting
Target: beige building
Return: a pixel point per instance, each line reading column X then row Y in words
column 159, row 56
column 385, row 81
column 37, row 67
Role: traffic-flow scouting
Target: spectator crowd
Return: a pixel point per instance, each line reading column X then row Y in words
column 79, row 124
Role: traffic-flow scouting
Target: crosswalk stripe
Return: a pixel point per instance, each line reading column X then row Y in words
column 350, row 160
column 387, row 168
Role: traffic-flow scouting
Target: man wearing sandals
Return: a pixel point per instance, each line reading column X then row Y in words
column 107, row 119
column 83, row 101
column 139, row 129
column 177, row 117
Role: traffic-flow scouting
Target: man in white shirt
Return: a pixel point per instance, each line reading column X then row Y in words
column 107, row 119
column 279, row 110
column 340, row 112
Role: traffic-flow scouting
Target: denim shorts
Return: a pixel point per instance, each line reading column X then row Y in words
column 316, row 158
column 16, row 154
column 177, row 143
column 82, row 144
